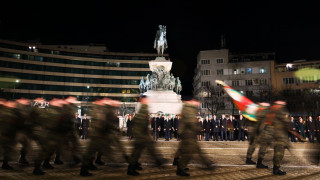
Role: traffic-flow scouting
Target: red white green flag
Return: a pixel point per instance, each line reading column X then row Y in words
column 245, row 105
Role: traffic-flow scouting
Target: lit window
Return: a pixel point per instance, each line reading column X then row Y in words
column 248, row 70
column 262, row 70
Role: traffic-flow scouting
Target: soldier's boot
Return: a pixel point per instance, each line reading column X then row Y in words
column 6, row 166
column 47, row 165
column 57, row 160
column 277, row 171
column 23, row 159
column 132, row 171
column 182, row 172
column 175, row 162
column 249, row 161
column 37, row 170
column 260, row 165
column 98, row 160
column 84, row 171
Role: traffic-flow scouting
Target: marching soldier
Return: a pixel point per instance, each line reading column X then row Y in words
column 102, row 136
column 275, row 128
column 142, row 140
column 8, row 131
column 255, row 132
column 188, row 145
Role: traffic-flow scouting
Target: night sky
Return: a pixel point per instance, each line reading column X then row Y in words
column 289, row 29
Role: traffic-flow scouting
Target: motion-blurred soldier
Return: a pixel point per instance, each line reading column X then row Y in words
column 8, row 131
column 142, row 140
column 25, row 128
column 254, row 133
column 102, row 136
column 275, row 129
column 188, row 145
column 68, row 128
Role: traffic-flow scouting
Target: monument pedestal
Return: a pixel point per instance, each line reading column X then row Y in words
column 166, row 101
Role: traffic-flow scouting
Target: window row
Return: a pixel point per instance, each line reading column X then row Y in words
column 68, row 79
column 86, row 89
column 205, row 72
column 250, row 82
column 70, row 70
column 47, row 97
column 205, row 61
column 68, row 61
column 205, row 83
column 46, row 51
column 261, row 70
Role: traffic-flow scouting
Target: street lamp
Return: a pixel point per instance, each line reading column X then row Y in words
column 14, row 87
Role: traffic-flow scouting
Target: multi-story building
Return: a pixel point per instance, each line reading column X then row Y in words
column 90, row 72
column 299, row 83
column 285, row 77
column 249, row 73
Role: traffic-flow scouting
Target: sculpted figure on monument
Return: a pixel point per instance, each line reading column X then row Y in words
column 160, row 42
column 178, row 86
column 147, row 85
column 166, row 80
column 141, row 85
column 154, row 81
column 172, row 82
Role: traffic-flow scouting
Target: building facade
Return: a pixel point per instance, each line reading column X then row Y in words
column 302, row 90
column 32, row 70
column 248, row 73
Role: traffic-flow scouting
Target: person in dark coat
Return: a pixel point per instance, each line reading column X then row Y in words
column 77, row 122
column 230, row 127
column 161, row 133
column 176, row 127
column 155, row 126
column 310, row 129
column 293, row 127
column 167, row 127
column 302, row 128
column 129, row 127
column 207, row 127
column 240, row 128
column 215, row 128
column 85, row 126
column 223, row 128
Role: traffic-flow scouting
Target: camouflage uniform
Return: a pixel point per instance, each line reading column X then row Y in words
column 254, row 132
column 189, row 145
column 25, row 130
column 275, row 129
column 102, row 137
column 8, row 133
column 142, row 140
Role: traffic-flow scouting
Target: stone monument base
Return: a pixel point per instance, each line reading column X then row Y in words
column 166, row 101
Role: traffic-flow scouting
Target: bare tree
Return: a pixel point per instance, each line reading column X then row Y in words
column 213, row 98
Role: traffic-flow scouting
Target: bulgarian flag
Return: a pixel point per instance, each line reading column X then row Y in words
column 245, row 105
